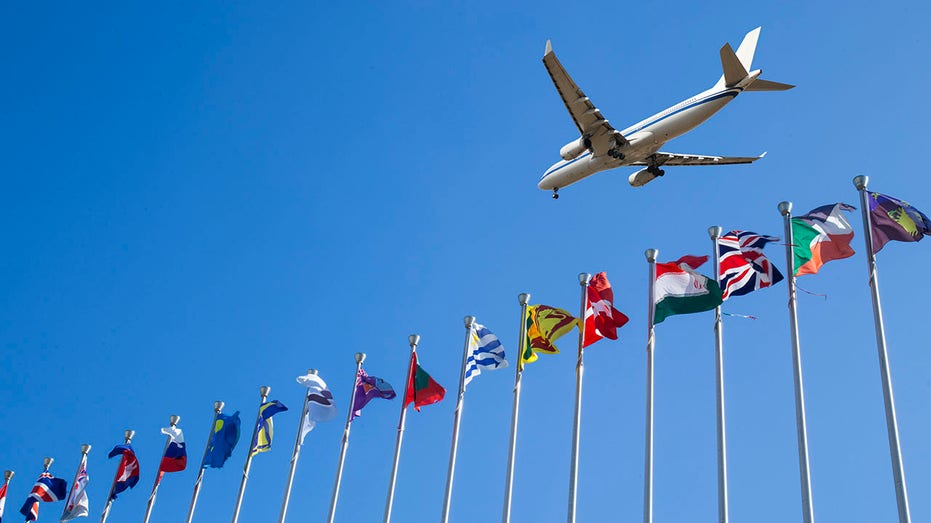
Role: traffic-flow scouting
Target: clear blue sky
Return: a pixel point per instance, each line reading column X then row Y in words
column 202, row 198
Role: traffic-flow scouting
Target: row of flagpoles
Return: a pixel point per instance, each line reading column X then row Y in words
column 675, row 288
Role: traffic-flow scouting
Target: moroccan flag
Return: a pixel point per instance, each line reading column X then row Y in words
column 821, row 236
column 545, row 325
column 601, row 318
column 894, row 219
column 421, row 388
column 742, row 267
column 678, row 289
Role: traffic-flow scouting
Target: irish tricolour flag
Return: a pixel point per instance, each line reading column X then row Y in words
column 820, row 236
column 680, row 290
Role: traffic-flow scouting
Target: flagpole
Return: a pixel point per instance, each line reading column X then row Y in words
column 648, row 451
column 85, row 448
column 263, row 392
column 217, row 407
column 523, row 299
column 892, row 426
column 451, row 470
column 715, row 233
column 298, row 443
column 172, row 421
column 808, row 516
column 128, row 438
column 584, row 278
column 360, row 357
column 413, row 339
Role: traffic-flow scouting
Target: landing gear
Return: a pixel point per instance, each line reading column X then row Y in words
column 655, row 171
column 556, row 193
column 616, row 154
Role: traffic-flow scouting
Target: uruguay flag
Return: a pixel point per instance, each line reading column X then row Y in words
column 175, row 458
column 127, row 473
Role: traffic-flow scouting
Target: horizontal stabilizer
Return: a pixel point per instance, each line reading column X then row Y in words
column 734, row 71
column 765, row 85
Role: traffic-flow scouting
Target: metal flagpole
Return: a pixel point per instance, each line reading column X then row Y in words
column 715, row 233
column 172, row 421
column 523, row 299
column 413, row 339
column 584, row 278
column 298, row 442
column 648, row 451
column 263, row 392
column 468, row 320
column 85, row 448
column 808, row 516
column 892, row 426
column 360, row 357
column 127, row 438
column 217, row 407
column 7, row 476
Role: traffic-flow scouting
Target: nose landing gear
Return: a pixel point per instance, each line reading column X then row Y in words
column 556, row 193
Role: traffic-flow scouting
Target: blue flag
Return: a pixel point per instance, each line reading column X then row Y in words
column 222, row 441
column 266, row 429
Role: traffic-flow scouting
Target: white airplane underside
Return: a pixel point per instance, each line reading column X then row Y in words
column 600, row 147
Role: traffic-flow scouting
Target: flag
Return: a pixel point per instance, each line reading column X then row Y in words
column 545, row 325
column 894, row 219
column 127, row 473
column 175, row 457
column 601, row 318
column 320, row 405
column 47, row 489
column 367, row 389
column 265, row 428
column 2, row 498
column 223, row 440
column 485, row 352
column 678, row 289
column 77, row 504
column 422, row 389
column 821, row 236
column 742, row 267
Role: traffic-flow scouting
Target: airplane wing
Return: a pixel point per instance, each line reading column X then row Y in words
column 676, row 159
column 586, row 116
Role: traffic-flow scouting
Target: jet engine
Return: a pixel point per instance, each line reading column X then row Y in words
column 573, row 149
column 644, row 176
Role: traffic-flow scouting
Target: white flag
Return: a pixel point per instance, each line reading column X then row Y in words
column 76, row 505
column 320, row 406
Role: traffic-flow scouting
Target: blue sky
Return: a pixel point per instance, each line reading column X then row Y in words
column 200, row 199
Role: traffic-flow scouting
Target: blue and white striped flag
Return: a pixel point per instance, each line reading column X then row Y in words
column 485, row 352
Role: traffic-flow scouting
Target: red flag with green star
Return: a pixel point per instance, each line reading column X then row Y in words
column 421, row 388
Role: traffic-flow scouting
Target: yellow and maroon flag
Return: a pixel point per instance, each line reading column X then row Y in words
column 545, row 325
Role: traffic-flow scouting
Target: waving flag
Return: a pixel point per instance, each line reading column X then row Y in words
column 545, row 325
column 894, row 219
column 223, row 440
column 821, row 236
column 2, row 498
column 266, row 428
column 422, row 389
column 367, row 389
column 678, row 289
column 601, row 318
column 47, row 489
column 77, row 504
column 320, row 405
column 175, row 457
column 742, row 267
column 127, row 473
column 485, row 352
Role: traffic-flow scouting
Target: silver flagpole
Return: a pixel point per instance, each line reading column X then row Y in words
column 298, row 443
column 413, row 339
column 85, row 448
column 584, row 278
column 7, row 476
column 648, row 451
column 715, row 233
column 172, row 420
column 450, row 472
column 808, row 516
column 892, row 426
column 360, row 357
column 127, row 438
column 263, row 392
column 523, row 299
column 217, row 407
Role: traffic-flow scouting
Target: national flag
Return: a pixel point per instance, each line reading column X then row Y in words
column 265, row 427
column 367, row 389
column 127, row 473
column 680, row 290
column 175, row 457
column 47, row 489
column 485, row 352
column 422, row 389
column 545, row 325
column 821, row 236
column 223, row 440
column 601, row 318
column 742, row 267
column 320, row 404
column 894, row 219
column 77, row 504
column 2, row 499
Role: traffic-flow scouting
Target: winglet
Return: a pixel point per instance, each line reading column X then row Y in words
column 760, row 157
column 549, row 48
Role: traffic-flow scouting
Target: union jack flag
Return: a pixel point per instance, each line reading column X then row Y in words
column 47, row 488
column 742, row 266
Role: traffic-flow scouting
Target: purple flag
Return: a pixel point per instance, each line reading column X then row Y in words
column 367, row 389
column 893, row 219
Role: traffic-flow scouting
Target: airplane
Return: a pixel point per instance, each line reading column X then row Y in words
column 601, row 147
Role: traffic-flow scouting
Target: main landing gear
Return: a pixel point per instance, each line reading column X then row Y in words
column 556, row 193
column 655, row 171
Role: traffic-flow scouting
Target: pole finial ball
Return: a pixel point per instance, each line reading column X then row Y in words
column 860, row 182
column 715, row 231
column 584, row 278
column 651, row 254
column 218, row 406
column 360, row 357
column 523, row 298
column 468, row 321
column 413, row 340
column 784, row 208
column 174, row 419
column 264, row 391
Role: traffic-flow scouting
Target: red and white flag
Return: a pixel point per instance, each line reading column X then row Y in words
column 601, row 318
column 2, row 498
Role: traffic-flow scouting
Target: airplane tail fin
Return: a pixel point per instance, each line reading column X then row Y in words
column 737, row 64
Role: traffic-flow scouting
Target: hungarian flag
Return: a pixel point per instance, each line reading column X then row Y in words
column 821, row 236
column 894, row 219
column 421, row 388
column 678, row 289
column 601, row 318
column 545, row 325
